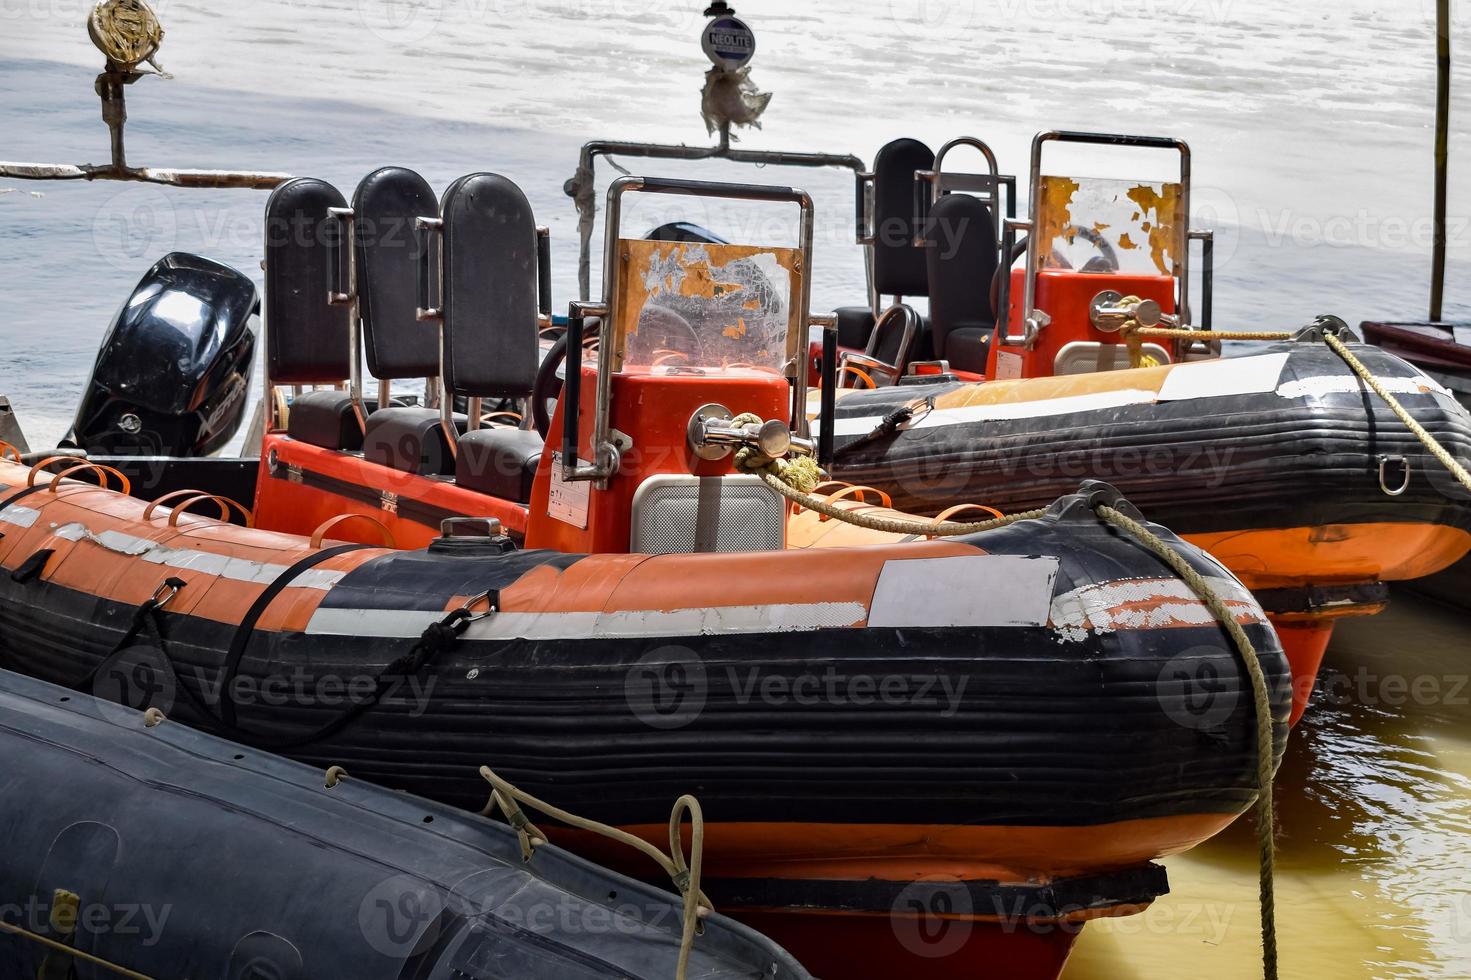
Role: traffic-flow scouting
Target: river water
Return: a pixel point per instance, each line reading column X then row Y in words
column 1310, row 125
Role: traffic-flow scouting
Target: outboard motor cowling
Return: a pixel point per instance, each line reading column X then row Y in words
column 684, row 231
column 173, row 373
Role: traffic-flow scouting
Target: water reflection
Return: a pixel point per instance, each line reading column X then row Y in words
column 1374, row 816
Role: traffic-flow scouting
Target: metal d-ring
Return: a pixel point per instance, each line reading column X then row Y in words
column 1384, row 464
column 166, row 590
column 492, row 604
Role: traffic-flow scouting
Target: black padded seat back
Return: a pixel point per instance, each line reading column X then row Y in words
column 306, row 337
column 385, row 206
column 960, row 253
column 490, row 288
column 898, row 266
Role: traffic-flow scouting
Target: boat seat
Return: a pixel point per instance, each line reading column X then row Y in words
column 961, row 258
column 898, row 266
column 968, row 345
column 325, row 418
column 410, row 440
column 490, row 302
column 499, row 462
column 855, row 323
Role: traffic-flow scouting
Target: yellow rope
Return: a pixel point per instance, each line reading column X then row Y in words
column 1357, row 366
column 892, row 525
column 121, row 971
column 684, row 874
column 795, row 479
column 1134, row 341
column 772, row 473
column 1429, row 441
column 1180, row 333
column 1261, row 700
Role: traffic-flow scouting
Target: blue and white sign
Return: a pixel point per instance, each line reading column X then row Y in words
column 728, row 42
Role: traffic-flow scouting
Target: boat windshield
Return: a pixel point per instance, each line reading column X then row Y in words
column 1107, row 226
column 695, row 307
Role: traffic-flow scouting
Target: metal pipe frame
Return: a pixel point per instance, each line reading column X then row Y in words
column 723, row 151
column 346, row 266
column 1207, row 239
column 249, row 180
column 431, row 237
column 111, row 88
column 605, row 453
column 938, row 181
column 1182, row 303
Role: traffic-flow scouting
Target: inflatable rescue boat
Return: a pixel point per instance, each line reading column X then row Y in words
column 298, row 878
column 1279, row 460
column 996, row 730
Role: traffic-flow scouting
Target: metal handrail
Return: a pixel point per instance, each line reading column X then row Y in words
column 605, row 452
column 1182, row 304
column 579, row 186
column 110, row 88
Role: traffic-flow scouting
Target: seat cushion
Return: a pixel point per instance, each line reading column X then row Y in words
column 499, row 462
column 325, row 418
column 408, row 439
column 968, row 345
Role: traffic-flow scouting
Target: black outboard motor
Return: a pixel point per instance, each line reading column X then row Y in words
column 173, row 374
column 684, row 231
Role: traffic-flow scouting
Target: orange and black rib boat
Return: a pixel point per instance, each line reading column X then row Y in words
column 1279, row 463
column 1010, row 721
column 995, row 734
column 1277, row 459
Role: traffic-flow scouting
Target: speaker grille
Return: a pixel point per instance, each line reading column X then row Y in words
column 685, row 514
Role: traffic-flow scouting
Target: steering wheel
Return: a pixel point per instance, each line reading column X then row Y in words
column 1107, row 260
column 661, row 332
column 662, row 326
column 548, row 387
column 1003, row 268
column 665, row 356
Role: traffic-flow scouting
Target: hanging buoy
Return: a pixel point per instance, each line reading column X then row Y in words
column 127, row 32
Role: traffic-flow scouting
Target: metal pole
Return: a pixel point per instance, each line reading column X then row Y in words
column 1442, row 125
column 587, row 203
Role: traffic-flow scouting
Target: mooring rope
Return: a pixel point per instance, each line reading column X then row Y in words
column 73, row 952
column 774, row 471
column 685, row 874
column 890, row 525
column 1431, row 444
column 1261, row 699
column 1182, row 333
